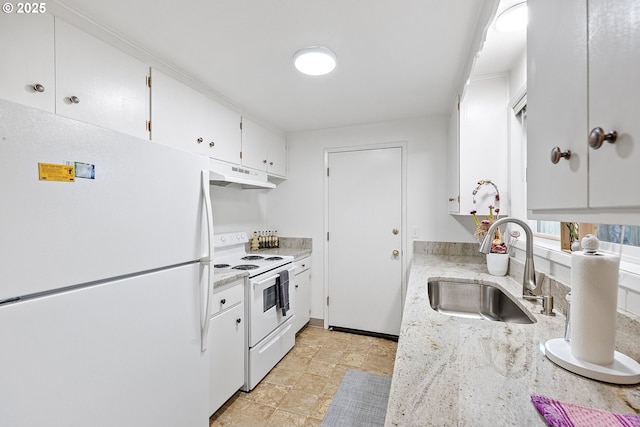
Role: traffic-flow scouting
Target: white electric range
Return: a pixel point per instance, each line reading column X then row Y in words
column 270, row 334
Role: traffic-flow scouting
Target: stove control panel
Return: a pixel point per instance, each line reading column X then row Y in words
column 230, row 239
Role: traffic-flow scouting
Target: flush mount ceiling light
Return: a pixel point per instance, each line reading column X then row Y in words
column 315, row 60
column 513, row 18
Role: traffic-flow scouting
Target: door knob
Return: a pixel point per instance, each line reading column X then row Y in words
column 396, row 252
column 598, row 136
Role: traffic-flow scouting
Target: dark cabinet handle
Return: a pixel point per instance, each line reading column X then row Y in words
column 557, row 154
column 598, row 136
column 223, row 301
column 238, row 320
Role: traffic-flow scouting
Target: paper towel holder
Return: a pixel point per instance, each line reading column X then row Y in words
column 623, row 370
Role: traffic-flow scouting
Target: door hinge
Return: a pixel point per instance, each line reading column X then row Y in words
column 327, row 300
column 327, row 171
column 148, row 81
column 241, row 155
column 458, row 106
column 241, row 125
column 148, row 125
column 327, row 236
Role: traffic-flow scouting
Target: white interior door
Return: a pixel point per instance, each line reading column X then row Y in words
column 365, row 231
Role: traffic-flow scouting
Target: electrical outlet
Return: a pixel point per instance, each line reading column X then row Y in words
column 415, row 233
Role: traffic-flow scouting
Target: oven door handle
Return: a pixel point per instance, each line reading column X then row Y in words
column 256, row 284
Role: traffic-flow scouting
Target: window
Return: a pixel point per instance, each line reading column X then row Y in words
column 613, row 234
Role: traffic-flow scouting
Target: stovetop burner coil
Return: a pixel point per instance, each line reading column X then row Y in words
column 221, row 266
column 245, row 267
column 274, row 258
column 252, row 257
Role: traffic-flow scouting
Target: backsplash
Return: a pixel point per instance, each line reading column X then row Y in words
column 449, row 248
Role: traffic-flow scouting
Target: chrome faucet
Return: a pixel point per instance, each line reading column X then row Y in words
column 529, row 286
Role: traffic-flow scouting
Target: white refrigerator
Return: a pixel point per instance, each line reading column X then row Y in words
column 104, row 277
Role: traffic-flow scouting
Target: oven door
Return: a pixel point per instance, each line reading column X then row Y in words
column 265, row 317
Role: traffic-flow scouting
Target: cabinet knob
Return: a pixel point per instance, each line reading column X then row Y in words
column 557, row 154
column 199, row 140
column 74, row 99
column 396, row 252
column 38, row 87
column 271, row 163
column 598, row 136
column 452, row 199
column 297, row 286
column 238, row 320
column 264, row 161
column 223, row 301
column 211, row 144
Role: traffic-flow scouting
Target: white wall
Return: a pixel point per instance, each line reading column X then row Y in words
column 296, row 208
column 235, row 209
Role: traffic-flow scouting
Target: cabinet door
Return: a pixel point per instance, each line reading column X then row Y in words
column 27, row 52
column 302, row 287
column 176, row 114
column 223, row 132
column 614, row 61
column 277, row 155
column 226, row 362
column 254, row 148
column 557, row 104
column 263, row 150
column 483, row 144
column 454, row 161
column 109, row 86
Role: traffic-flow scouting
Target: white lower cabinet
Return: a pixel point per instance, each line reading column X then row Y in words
column 302, row 293
column 226, row 344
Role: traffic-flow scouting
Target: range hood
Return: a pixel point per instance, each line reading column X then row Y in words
column 223, row 174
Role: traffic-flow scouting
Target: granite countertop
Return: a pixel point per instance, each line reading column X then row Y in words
column 296, row 253
column 468, row 372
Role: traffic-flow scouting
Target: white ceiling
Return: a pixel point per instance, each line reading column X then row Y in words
column 396, row 58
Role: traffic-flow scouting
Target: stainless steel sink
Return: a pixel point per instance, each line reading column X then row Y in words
column 475, row 300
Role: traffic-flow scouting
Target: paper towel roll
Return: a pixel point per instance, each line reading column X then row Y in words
column 594, row 301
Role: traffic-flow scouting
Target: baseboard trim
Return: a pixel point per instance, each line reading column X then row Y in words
column 367, row 333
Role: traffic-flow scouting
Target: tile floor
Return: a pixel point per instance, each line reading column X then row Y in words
column 298, row 391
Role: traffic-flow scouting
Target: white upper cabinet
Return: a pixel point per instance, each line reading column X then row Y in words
column 176, row 114
column 263, row 150
column 99, row 84
column 222, row 126
column 27, row 52
column 453, row 156
column 187, row 119
column 482, row 149
column 614, row 64
column 582, row 65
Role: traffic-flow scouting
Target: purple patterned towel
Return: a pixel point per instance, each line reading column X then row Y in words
column 559, row 414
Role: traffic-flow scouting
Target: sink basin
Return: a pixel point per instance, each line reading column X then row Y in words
column 475, row 300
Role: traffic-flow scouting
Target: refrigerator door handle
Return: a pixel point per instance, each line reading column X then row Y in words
column 204, row 326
